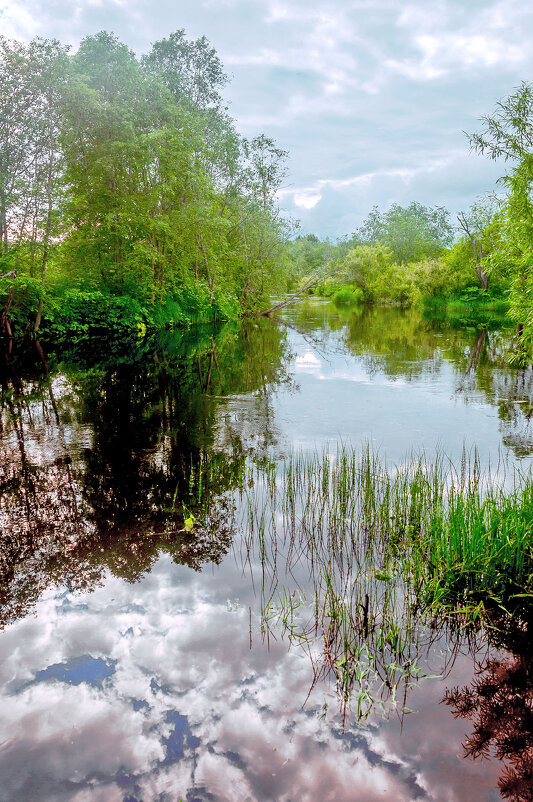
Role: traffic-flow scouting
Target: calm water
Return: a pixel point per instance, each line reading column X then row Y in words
column 136, row 661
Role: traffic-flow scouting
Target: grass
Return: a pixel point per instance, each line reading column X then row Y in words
column 395, row 555
column 471, row 308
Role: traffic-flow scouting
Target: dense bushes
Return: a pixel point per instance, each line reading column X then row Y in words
column 348, row 296
column 129, row 200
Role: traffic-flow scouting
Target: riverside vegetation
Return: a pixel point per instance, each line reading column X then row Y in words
column 129, row 201
column 414, row 254
column 127, row 198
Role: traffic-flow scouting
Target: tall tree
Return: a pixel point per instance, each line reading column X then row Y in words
column 409, row 232
column 191, row 70
column 32, row 78
column 508, row 133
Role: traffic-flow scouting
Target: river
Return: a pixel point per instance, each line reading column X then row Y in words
column 147, row 658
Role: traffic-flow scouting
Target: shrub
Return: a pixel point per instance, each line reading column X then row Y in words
column 81, row 314
column 348, row 296
column 27, row 294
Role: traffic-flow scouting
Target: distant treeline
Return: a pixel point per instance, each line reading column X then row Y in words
column 127, row 198
column 416, row 253
column 413, row 253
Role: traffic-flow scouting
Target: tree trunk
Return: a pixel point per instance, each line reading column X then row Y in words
column 3, row 224
column 5, row 326
column 48, row 224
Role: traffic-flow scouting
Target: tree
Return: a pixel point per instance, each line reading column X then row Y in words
column 508, row 134
column 17, row 137
column 364, row 265
column 481, row 227
column 191, row 70
column 132, row 172
column 51, row 68
column 32, row 78
column 265, row 169
column 410, row 233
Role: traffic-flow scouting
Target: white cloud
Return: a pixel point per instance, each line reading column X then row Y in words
column 17, row 21
column 244, row 705
column 443, row 54
column 357, row 91
column 306, row 199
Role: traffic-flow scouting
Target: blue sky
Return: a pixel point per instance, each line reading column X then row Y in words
column 370, row 97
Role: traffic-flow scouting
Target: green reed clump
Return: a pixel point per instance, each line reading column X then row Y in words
column 453, row 532
column 482, row 545
column 388, row 550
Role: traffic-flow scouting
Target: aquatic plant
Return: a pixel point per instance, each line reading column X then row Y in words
column 396, row 555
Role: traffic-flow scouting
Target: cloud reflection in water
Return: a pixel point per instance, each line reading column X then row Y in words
column 190, row 706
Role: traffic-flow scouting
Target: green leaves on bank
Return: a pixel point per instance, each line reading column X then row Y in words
column 127, row 178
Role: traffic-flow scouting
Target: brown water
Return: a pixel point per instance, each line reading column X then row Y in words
column 136, row 663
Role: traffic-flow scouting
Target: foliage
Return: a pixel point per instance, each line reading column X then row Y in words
column 348, row 296
column 508, row 134
column 377, row 276
column 144, row 190
column 409, row 233
column 83, row 314
column 307, row 254
column 26, row 293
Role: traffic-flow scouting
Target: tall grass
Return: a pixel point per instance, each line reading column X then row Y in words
column 384, row 554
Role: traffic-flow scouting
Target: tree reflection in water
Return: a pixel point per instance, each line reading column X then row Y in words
column 102, row 460
column 409, row 344
column 104, row 457
column 500, row 704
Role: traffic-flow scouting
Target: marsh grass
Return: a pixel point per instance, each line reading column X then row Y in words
column 395, row 555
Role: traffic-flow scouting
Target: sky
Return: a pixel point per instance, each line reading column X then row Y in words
column 371, row 98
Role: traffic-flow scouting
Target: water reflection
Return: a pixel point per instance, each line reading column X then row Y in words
column 499, row 703
column 102, row 463
column 410, row 346
column 174, row 702
column 138, row 678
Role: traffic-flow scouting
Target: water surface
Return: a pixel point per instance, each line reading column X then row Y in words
column 136, row 664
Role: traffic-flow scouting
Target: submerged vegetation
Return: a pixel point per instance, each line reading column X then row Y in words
column 396, row 556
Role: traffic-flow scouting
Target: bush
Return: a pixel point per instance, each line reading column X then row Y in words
column 348, row 296
column 77, row 315
column 27, row 294
column 191, row 304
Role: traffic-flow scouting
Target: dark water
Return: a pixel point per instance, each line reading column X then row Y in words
column 136, row 663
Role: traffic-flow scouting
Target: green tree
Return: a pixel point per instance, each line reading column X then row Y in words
column 191, row 70
column 481, row 227
column 132, row 174
column 508, row 133
column 363, row 266
column 410, row 233
column 32, row 77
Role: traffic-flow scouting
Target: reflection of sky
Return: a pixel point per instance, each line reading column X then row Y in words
column 341, row 397
column 166, row 695
column 146, row 691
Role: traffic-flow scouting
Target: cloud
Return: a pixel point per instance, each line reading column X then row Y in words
column 189, row 703
column 371, row 98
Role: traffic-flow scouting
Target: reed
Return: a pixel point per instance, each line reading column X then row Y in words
column 385, row 554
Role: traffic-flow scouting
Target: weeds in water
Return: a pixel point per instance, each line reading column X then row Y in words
column 390, row 553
